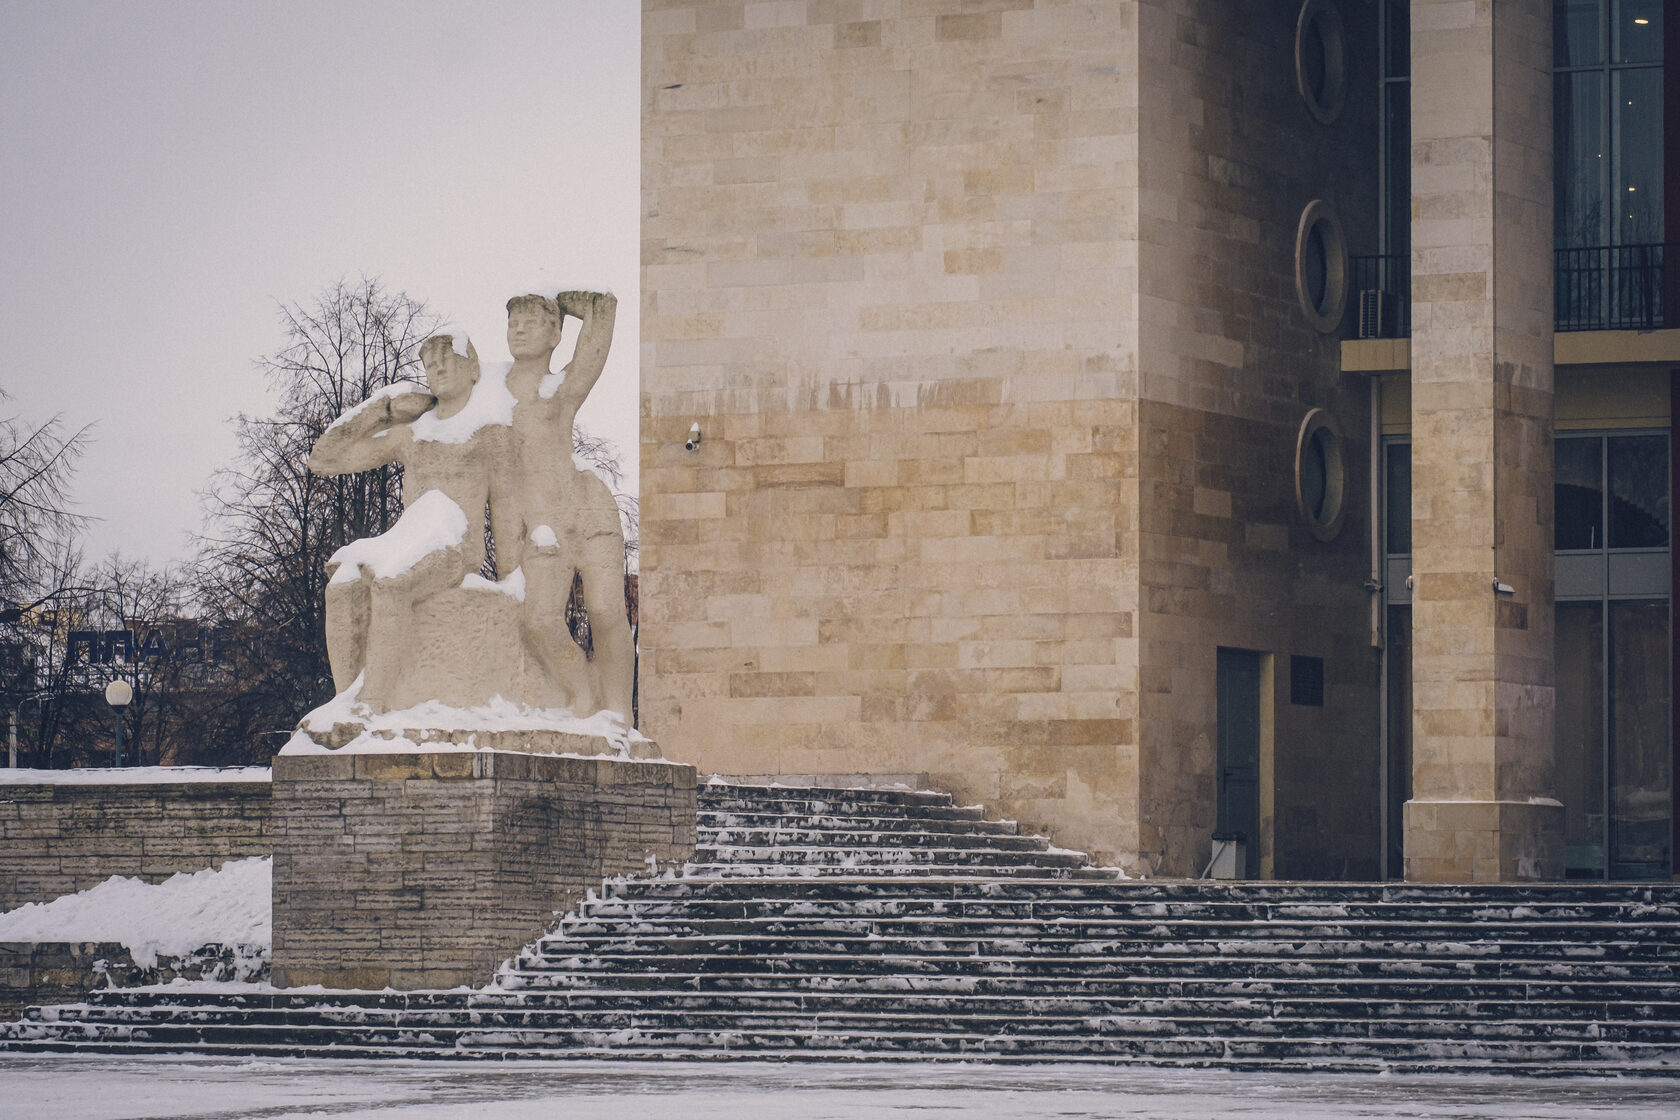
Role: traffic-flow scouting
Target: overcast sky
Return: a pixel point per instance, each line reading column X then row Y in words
column 172, row 169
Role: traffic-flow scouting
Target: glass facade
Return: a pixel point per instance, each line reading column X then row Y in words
column 1608, row 122
column 1614, row 742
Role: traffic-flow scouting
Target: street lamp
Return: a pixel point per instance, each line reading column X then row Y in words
column 17, row 711
column 118, row 695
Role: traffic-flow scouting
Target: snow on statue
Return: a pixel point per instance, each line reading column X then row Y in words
column 424, row 649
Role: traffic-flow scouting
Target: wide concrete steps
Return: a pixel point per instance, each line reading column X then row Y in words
column 826, row 924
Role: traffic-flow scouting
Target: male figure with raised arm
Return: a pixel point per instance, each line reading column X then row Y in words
column 446, row 451
column 571, row 522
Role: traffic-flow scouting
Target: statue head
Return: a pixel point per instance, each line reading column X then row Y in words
column 533, row 326
column 450, row 375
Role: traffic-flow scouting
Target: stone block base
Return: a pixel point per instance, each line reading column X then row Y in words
column 428, row 869
column 1483, row 841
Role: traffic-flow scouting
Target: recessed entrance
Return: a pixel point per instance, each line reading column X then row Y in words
column 1238, row 757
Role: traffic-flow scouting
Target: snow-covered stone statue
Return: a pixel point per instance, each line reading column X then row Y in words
column 570, row 519
column 446, row 451
column 423, row 647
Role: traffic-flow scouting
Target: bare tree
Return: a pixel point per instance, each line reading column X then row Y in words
column 272, row 524
column 36, row 522
column 39, row 564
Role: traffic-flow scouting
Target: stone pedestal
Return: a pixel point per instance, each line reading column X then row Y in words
column 1483, row 841
column 427, row 869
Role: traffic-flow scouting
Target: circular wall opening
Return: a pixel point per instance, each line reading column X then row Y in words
column 1321, row 266
column 1320, row 475
column 1320, row 59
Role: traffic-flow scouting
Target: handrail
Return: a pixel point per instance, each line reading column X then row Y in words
column 1597, row 287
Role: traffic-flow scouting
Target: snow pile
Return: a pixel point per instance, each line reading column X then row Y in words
column 173, row 918
column 459, row 340
column 406, row 730
column 550, row 384
column 513, row 586
column 134, row 775
column 490, row 403
column 432, row 523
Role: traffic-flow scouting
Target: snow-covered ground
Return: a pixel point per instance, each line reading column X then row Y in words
column 93, row 1088
column 174, row 918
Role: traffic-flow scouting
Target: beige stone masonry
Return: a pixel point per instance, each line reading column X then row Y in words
column 57, row 839
column 1482, row 363
column 984, row 310
column 426, row 870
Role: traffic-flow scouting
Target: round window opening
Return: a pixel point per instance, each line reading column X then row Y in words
column 1320, row 65
column 1320, row 475
column 1321, row 267
column 1313, row 265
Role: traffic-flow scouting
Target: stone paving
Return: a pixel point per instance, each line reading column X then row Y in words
column 165, row 1088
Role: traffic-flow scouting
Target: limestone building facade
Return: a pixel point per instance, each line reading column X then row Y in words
column 1139, row 416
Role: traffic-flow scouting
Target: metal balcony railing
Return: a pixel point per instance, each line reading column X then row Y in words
column 1599, row 288
column 1613, row 288
column 1382, row 292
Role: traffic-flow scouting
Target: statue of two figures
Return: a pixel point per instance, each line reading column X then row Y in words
column 423, row 646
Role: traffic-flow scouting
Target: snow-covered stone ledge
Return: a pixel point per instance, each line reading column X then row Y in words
column 63, row 831
column 124, row 932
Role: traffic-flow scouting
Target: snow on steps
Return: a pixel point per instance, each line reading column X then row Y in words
column 829, row 924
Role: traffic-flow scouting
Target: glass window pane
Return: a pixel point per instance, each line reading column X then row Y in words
column 1638, row 491
column 1580, row 159
column 1397, row 185
column 1398, row 45
column 1636, row 31
column 1398, row 499
column 1641, row 752
column 1579, row 733
column 1637, row 184
column 1577, row 32
column 1579, row 494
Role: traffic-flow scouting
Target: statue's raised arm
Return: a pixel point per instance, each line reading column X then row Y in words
column 597, row 311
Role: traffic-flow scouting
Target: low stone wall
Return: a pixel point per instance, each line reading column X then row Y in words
column 46, row 972
column 64, row 835
column 427, row 870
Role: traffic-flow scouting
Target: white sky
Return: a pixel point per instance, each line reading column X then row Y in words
column 173, row 169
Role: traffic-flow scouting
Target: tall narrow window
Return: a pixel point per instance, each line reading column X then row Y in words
column 1613, row 582
column 1607, row 121
column 1396, row 49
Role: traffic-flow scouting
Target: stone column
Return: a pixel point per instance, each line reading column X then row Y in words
column 1482, row 779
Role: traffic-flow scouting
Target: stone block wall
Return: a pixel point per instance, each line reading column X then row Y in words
column 57, row 839
column 890, row 257
column 427, row 870
column 985, row 309
column 1229, row 366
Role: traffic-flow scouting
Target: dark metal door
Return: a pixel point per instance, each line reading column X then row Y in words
column 1238, row 758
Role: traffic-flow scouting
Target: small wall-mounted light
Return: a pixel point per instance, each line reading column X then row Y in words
column 693, row 443
column 1503, row 588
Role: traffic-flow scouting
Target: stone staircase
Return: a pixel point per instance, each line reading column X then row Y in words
column 839, row 924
